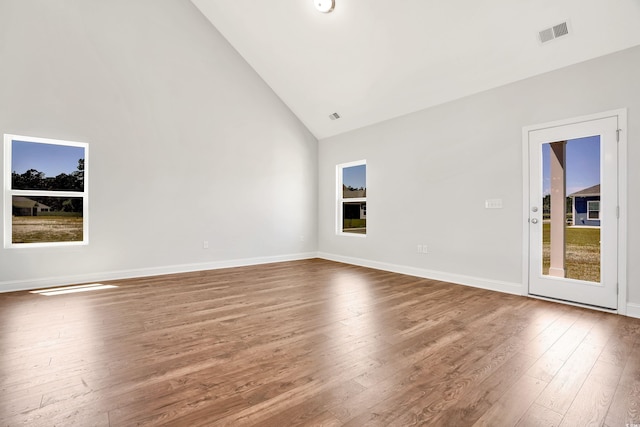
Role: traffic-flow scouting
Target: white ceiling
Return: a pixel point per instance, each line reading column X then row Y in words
column 372, row 60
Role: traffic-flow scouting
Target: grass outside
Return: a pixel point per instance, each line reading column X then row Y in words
column 582, row 256
column 47, row 229
column 358, row 226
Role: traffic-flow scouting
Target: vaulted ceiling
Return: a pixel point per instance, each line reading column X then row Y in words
column 372, row 60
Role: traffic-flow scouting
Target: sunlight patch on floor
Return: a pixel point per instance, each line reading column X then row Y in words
column 73, row 289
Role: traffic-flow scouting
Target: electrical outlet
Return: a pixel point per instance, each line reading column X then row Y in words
column 424, row 249
column 205, row 244
column 419, row 249
column 493, row 204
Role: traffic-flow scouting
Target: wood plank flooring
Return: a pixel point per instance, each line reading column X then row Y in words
column 312, row 343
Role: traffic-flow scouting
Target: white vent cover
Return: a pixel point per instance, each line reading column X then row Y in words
column 554, row 32
column 546, row 35
column 560, row 30
column 334, row 116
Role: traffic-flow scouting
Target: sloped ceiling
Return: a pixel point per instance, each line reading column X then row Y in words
column 372, row 60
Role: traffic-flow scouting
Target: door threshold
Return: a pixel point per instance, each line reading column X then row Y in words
column 575, row 304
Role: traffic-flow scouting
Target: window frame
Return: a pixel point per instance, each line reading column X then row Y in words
column 589, row 210
column 9, row 192
column 340, row 200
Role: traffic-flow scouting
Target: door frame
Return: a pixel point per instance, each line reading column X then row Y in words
column 621, row 115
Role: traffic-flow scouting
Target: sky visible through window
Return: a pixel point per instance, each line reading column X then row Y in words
column 355, row 176
column 47, row 207
column 582, row 164
column 51, row 159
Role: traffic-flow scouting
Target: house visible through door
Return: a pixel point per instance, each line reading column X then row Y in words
column 573, row 212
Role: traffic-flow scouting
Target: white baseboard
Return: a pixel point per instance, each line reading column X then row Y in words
column 40, row 283
column 476, row 282
column 633, row 310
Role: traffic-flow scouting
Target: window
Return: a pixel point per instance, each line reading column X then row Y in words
column 593, row 209
column 45, row 192
column 352, row 198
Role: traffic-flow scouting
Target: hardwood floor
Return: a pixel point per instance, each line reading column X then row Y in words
column 312, row 343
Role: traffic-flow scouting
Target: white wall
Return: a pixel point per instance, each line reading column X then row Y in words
column 187, row 143
column 429, row 173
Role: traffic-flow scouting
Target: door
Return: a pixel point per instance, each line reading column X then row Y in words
column 573, row 212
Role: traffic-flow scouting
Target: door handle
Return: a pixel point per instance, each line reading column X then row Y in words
column 534, row 220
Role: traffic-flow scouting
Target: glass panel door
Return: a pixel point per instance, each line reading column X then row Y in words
column 573, row 197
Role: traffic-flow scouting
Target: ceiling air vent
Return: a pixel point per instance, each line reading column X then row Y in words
column 546, row 35
column 334, row 116
column 560, row 30
column 554, row 32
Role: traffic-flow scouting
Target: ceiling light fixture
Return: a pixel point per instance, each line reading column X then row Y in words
column 324, row 6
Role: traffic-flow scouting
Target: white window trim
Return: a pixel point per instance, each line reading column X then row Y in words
column 589, row 202
column 9, row 192
column 340, row 199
